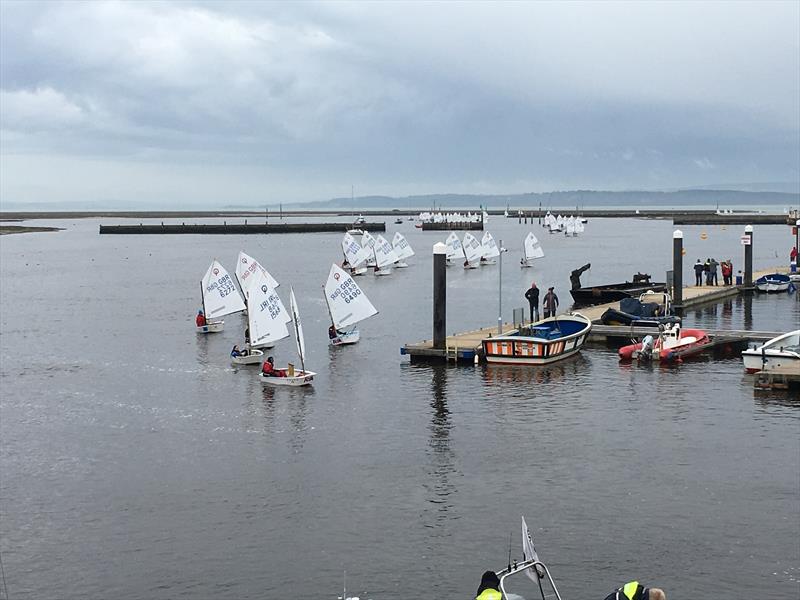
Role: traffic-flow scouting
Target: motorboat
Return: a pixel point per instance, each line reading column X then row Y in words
column 779, row 352
column 672, row 343
column 773, row 283
column 544, row 342
column 614, row 292
column 651, row 309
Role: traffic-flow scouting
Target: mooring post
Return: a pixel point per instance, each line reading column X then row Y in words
column 748, row 258
column 439, row 295
column 677, row 268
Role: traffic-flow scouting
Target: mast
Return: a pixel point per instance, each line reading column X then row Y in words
column 203, row 300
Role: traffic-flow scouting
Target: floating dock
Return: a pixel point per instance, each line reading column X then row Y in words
column 780, row 378
column 456, row 226
column 237, row 228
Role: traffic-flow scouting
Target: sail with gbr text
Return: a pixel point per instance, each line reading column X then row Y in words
column 220, row 296
column 347, row 303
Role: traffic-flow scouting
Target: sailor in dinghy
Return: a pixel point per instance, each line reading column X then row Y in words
column 472, row 251
column 355, row 256
column 489, row 250
column 250, row 272
column 293, row 377
column 220, row 298
column 531, row 250
column 385, row 256
column 347, row 305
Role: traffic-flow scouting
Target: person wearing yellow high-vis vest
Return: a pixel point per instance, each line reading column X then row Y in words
column 489, row 589
column 635, row 591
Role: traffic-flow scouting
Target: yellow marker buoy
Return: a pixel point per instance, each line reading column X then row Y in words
column 704, row 236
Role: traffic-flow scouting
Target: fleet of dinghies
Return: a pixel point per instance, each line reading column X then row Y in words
column 570, row 226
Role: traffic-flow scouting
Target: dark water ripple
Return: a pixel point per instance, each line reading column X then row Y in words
column 137, row 463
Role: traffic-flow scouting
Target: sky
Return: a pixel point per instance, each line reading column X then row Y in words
column 207, row 103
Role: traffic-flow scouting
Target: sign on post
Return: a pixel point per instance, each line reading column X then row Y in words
column 745, row 240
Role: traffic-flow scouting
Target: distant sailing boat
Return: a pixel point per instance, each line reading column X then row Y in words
column 385, row 256
column 454, row 250
column 531, row 251
column 355, row 256
column 368, row 242
column 266, row 319
column 293, row 376
column 472, row 251
column 489, row 250
column 220, row 297
column 402, row 249
column 347, row 306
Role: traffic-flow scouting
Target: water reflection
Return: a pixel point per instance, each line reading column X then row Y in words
column 494, row 374
column 442, row 456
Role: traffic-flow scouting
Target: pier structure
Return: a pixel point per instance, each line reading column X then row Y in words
column 453, row 226
column 236, row 228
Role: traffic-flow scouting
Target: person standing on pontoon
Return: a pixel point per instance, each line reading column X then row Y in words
column 489, row 589
column 550, row 303
column 636, row 591
column 532, row 296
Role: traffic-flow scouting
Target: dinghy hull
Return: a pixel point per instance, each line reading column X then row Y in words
column 253, row 357
column 211, row 327
column 343, row 339
column 544, row 342
column 298, row 379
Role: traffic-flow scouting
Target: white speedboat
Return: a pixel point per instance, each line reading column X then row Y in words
column 782, row 351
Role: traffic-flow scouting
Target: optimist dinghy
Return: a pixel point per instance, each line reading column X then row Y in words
column 266, row 318
column 489, row 250
column 472, row 251
column 531, row 250
column 454, row 250
column 220, row 298
column 293, row 377
column 355, row 256
column 385, row 256
column 347, row 306
column 402, row 249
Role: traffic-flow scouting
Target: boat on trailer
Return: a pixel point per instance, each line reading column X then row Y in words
column 219, row 296
column 544, row 342
column 779, row 352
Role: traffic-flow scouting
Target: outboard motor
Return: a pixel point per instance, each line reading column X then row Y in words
column 647, row 348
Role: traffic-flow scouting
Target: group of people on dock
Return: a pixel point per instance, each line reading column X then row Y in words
column 549, row 303
column 708, row 271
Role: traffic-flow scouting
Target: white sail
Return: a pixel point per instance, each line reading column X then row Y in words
column 384, row 253
column 532, row 247
column 368, row 243
column 453, row 246
column 489, row 247
column 245, row 267
column 298, row 329
column 528, row 551
column 569, row 226
column 472, row 248
column 579, row 228
column 220, row 296
column 266, row 315
column 353, row 251
column 401, row 246
column 347, row 304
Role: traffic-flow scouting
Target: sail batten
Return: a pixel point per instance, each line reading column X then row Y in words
column 347, row 303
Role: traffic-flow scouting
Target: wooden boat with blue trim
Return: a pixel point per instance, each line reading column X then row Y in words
column 540, row 343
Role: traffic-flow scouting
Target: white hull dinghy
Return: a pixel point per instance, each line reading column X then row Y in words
column 347, row 305
column 385, row 256
column 489, row 250
column 402, row 249
column 779, row 352
column 773, row 283
column 220, row 298
column 254, row 356
column 472, row 251
column 531, row 250
column 292, row 376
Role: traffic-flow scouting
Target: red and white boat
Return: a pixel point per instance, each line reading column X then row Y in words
column 672, row 343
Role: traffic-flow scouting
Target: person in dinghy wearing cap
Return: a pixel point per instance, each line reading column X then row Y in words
column 268, row 369
column 489, row 589
column 636, row 591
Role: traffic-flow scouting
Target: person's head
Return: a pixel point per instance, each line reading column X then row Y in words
column 489, row 580
column 199, row 312
column 269, row 360
column 236, row 347
column 550, row 289
column 698, row 260
column 533, row 285
column 657, row 594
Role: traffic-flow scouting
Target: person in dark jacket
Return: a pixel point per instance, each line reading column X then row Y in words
column 575, row 276
column 532, row 296
column 550, row 303
column 698, row 273
column 636, row 591
column 489, row 589
column 707, row 270
column 713, row 267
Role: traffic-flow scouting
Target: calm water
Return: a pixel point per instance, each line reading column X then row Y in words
column 136, row 463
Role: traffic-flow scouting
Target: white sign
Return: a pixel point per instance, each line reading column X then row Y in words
column 746, row 240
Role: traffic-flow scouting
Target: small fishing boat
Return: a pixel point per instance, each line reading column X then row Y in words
column 347, row 305
column 773, row 283
column 472, row 251
column 293, row 377
column 673, row 343
column 781, row 351
column 531, row 250
column 543, row 342
column 219, row 296
column 614, row 292
column 402, row 249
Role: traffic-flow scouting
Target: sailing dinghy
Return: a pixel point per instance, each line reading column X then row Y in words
column 293, row 377
column 347, row 306
column 368, row 243
column 266, row 318
column 385, row 256
column 403, row 250
column 472, row 251
column 355, row 255
column 531, row 251
column 220, row 297
column 453, row 248
column 489, row 250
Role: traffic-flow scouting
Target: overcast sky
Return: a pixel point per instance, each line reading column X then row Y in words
column 245, row 102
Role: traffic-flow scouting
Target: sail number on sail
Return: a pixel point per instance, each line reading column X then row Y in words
column 271, row 302
column 348, row 290
column 224, row 286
